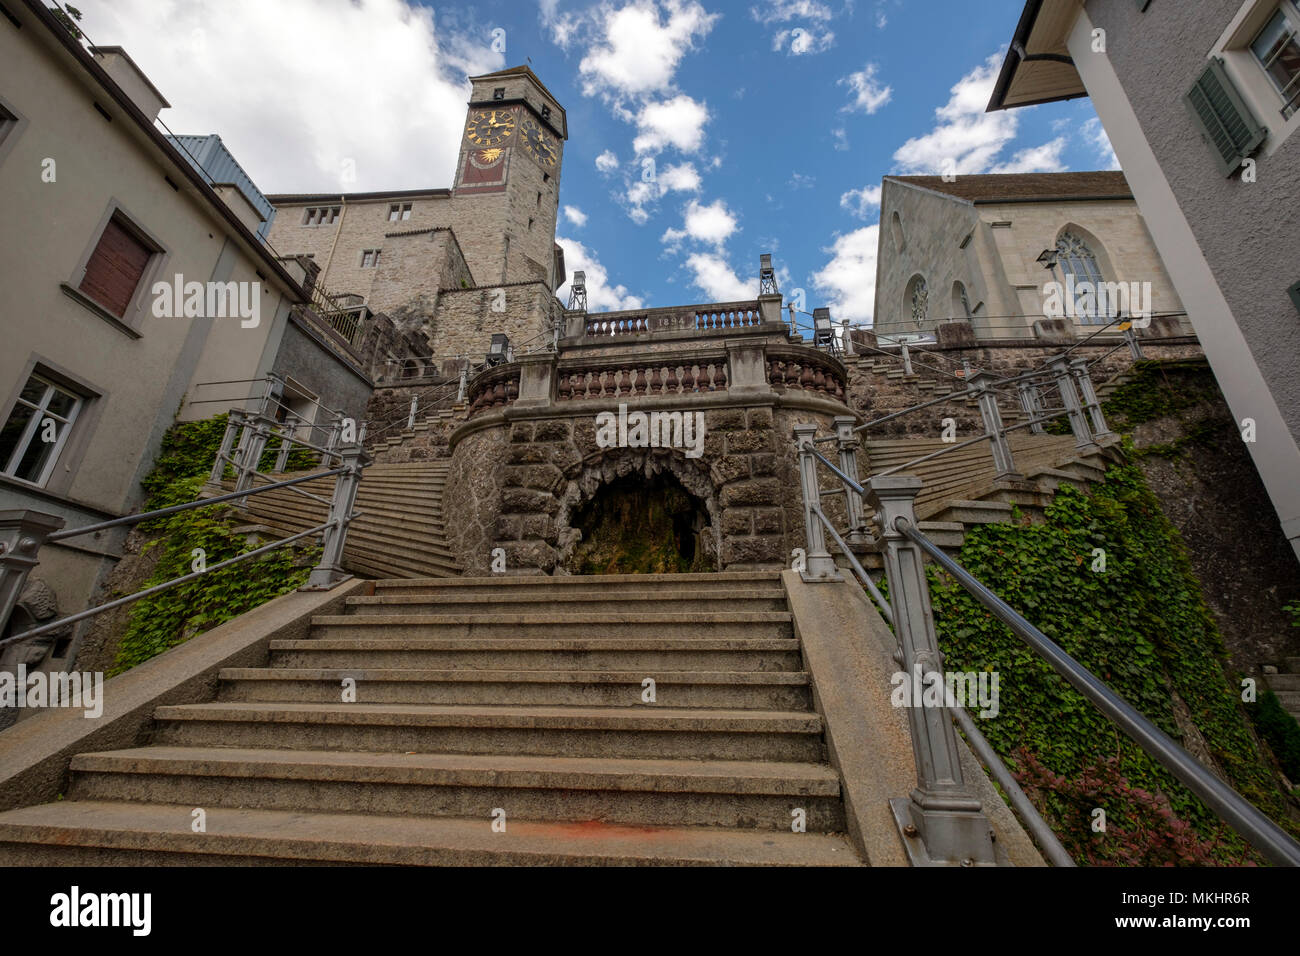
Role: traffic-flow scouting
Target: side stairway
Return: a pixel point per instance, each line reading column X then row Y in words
column 524, row 701
column 400, row 533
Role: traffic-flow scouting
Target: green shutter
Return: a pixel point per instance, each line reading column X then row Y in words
column 1226, row 121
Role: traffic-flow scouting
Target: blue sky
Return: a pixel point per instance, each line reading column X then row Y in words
column 769, row 123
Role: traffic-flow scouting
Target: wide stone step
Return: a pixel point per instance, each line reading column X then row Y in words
column 761, row 795
column 77, row 832
column 647, row 731
column 589, row 653
column 570, row 601
column 608, row 583
column 737, row 625
column 739, row 690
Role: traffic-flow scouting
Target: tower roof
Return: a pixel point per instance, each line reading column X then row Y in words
column 520, row 70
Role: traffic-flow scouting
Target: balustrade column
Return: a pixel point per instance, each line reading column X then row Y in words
column 233, row 421
column 820, row 564
column 847, row 439
column 1032, row 403
column 1064, row 379
column 329, row 570
column 1003, row 464
column 22, row 533
column 942, row 813
column 1084, row 380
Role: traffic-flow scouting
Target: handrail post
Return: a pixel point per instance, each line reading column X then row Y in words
column 251, row 447
column 233, row 420
column 1134, row 346
column 1084, row 379
column 1060, row 366
column 1003, row 464
column 847, row 440
column 329, row 570
column 286, row 442
column 820, row 564
column 1031, row 400
column 849, row 350
column 22, row 533
column 907, row 358
column 464, row 385
column 415, row 407
column 942, row 822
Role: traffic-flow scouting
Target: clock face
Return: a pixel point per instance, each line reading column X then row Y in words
column 490, row 127
column 537, row 142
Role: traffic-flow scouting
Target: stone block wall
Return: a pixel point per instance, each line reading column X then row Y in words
column 521, row 481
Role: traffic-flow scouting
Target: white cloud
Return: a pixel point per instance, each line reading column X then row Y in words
column 841, row 137
column 635, row 49
column 677, row 122
column 655, row 183
column 680, row 178
column 1035, row 159
column 575, row 216
column 801, row 41
column 860, row 202
column 801, row 181
column 712, row 224
column 1094, row 134
column 782, row 11
column 229, row 70
column 719, row 283
column 868, row 94
column 848, row 280
column 971, row 139
column 607, row 162
column 601, row 296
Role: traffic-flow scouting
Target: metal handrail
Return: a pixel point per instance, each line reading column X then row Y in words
column 187, row 506
column 1025, row 810
column 1261, row 832
column 886, row 610
column 166, row 585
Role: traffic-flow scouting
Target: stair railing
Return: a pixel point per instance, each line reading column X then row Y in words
column 24, row 532
column 1068, row 377
column 941, row 821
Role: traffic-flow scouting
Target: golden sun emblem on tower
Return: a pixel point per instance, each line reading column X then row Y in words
column 490, row 155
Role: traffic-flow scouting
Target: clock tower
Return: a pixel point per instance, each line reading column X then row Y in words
column 507, row 187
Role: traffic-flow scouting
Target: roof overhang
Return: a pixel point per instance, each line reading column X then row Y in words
column 1038, row 68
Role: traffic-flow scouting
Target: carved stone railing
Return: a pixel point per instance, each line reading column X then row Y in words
column 805, row 370
column 494, row 388
column 741, row 366
column 709, row 317
column 606, row 325
column 727, row 317
column 652, row 375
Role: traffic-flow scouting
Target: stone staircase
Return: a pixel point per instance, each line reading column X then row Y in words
column 1286, row 685
column 400, row 533
column 476, row 697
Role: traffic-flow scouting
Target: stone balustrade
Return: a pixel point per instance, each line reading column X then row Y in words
column 806, row 370
column 494, row 388
column 646, row 377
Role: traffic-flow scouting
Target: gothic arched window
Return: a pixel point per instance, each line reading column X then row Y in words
column 918, row 300
column 1076, row 259
column 960, row 302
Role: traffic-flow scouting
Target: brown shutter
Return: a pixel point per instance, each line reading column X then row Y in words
column 115, row 268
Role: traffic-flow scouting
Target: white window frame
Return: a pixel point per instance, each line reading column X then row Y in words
column 37, row 421
column 399, row 212
column 370, row 258
column 1253, row 83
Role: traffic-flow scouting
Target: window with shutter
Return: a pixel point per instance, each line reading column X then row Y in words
column 115, row 267
column 1226, row 121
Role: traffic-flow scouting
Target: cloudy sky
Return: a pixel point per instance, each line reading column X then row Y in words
column 702, row 133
